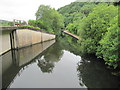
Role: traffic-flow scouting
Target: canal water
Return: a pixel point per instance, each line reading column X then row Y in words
column 54, row 64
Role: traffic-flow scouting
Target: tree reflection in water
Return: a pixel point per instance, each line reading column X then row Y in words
column 94, row 74
column 52, row 55
column 45, row 66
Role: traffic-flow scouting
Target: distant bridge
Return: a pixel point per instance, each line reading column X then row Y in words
column 70, row 34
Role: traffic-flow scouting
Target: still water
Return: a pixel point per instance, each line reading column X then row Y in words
column 52, row 65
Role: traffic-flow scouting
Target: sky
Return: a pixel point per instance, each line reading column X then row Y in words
column 26, row 9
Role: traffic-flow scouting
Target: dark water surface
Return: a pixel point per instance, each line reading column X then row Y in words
column 52, row 65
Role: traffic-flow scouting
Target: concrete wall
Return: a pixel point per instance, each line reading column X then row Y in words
column 28, row 37
column 22, row 38
column 25, row 55
column 46, row 37
column 36, row 37
column 6, row 44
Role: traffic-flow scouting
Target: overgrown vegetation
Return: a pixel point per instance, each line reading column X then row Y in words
column 30, row 26
column 97, row 26
column 6, row 23
column 76, row 11
column 108, row 48
column 48, row 19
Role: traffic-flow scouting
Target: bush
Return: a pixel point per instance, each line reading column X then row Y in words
column 32, row 22
column 94, row 27
column 30, row 26
column 108, row 49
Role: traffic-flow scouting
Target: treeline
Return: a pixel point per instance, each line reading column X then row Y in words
column 48, row 19
column 13, row 23
column 6, row 23
column 97, row 26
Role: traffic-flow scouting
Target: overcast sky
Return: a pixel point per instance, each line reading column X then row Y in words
column 26, row 9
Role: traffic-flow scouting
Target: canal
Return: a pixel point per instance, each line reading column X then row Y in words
column 54, row 64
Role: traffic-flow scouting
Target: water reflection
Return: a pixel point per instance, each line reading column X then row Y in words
column 13, row 62
column 50, row 73
column 59, row 66
column 94, row 74
column 52, row 55
column 45, row 66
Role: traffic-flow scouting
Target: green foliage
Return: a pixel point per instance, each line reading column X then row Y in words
column 73, row 27
column 30, row 26
column 100, row 35
column 49, row 19
column 87, row 8
column 76, row 11
column 71, row 8
column 108, row 49
column 97, row 26
column 32, row 23
column 94, row 27
column 6, row 23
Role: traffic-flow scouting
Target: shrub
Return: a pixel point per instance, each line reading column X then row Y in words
column 108, row 49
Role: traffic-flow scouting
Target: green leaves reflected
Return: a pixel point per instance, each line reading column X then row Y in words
column 50, row 57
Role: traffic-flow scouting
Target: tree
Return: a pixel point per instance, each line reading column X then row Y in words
column 73, row 27
column 76, row 11
column 109, row 44
column 94, row 27
column 32, row 22
column 49, row 19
